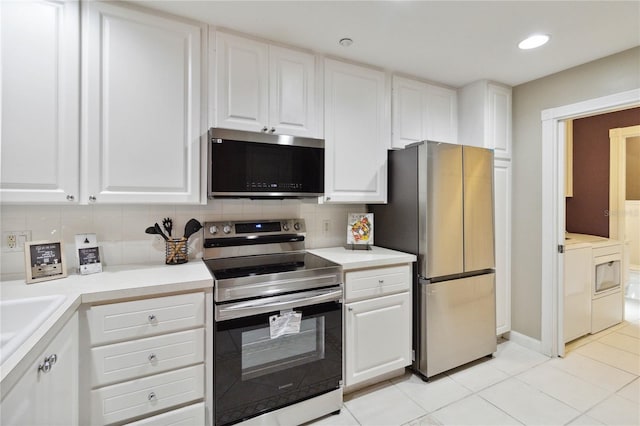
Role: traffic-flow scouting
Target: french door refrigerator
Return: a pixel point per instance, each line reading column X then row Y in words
column 440, row 208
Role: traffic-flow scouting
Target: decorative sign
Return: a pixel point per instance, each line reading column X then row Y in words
column 44, row 260
column 88, row 254
column 360, row 228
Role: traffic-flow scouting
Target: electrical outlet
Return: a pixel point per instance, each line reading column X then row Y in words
column 14, row 240
column 326, row 227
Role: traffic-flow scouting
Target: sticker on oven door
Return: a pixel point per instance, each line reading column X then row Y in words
column 286, row 323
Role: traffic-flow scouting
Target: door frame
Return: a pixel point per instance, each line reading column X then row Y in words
column 553, row 208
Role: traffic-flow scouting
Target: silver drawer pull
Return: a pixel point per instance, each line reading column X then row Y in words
column 380, row 282
column 53, row 358
column 152, row 357
column 152, row 396
column 45, row 367
column 152, row 318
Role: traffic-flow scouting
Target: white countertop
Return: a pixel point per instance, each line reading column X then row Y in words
column 113, row 284
column 574, row 241
column 357, row 259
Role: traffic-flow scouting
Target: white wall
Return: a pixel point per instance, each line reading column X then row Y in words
column 120, row 228
column 613, row 74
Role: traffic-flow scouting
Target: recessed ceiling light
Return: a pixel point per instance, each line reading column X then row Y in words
column 346, row 42
column 533, row 41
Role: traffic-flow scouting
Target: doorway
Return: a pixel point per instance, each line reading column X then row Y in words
column 553, row 207
column 624, row 222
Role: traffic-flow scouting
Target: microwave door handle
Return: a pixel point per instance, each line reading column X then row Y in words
column 247, row 309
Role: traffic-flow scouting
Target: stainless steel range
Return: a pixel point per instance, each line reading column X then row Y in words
column 278, row 324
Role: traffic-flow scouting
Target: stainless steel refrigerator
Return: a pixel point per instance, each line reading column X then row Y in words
column 440, row 207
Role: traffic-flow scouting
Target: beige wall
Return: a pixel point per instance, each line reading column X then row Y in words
column 613, row 74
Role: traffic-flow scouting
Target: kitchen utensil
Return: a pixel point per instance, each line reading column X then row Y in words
column 159, row 231
column 167, row 223
column 191, row 228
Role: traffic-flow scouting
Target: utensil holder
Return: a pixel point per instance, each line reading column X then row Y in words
column 176, row 251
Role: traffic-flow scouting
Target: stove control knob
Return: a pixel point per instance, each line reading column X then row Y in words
column 213, row 230
column 296, row 226
column 285, row 226
column 226, row 229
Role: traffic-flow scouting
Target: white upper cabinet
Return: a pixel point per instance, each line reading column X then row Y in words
column 441, row 114
column 422, row 111
column 141, row 124
column 356, row 133
column 485, row 116
column 265, row 88
column 40, row 101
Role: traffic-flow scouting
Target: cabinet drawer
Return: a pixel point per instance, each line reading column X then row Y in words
column 614, row 249
column 142, row 357
column 191, row 415
column 143, row 396
column 142, row 318
column 377, row 281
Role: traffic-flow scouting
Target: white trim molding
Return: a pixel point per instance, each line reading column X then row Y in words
column 553, row 215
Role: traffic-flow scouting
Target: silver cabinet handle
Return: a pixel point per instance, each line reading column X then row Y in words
column 152, row 357
column 48, row 362
column 350, row 309
column 152, row 318
column 273, row 129
column 92, row 198
column 265, row 128
column 152, row 396
column 380, row 282
column 53, row 358
column 70, row 198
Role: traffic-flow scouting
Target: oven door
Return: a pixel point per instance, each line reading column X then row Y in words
column 256, row 372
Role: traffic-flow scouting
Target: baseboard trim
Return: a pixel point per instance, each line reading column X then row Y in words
column 526, row 341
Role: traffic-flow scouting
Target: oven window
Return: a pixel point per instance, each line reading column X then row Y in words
column 255, row 374
column 263, row 355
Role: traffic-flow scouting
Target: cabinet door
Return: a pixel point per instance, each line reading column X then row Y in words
column 48, row 398
column 241, row 83
column 356, row 134
column 40, row 101
column 408, row 111
column 578, row 272
column 441, row 115
column 502, row 202
column 377, row 337
column 141, row 127
column 292, row 100
column 499, row 119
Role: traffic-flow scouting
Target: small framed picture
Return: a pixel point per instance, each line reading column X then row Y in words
column 44, row 260
column 88, row 254
column 360, row 229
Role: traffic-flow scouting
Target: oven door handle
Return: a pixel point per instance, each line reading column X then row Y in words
column 277, row 303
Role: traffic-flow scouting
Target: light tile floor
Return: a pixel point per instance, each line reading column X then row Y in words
column 597, row 382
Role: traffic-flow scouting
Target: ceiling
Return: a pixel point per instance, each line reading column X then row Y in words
column 449, row 42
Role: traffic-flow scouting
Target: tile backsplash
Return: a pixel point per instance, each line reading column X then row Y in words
column 120, row 228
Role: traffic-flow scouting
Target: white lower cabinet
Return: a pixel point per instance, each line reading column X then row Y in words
column 577, row 292
column 187, row 416
column 378, row 328
column 47, row 394
column 146, row 358
column 502, row 206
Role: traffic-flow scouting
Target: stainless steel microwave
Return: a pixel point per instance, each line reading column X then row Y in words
column 260, row 165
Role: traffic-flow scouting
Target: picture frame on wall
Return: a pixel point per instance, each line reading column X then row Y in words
column 44, row 261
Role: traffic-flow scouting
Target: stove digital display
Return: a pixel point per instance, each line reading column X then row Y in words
column 255, row 227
